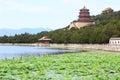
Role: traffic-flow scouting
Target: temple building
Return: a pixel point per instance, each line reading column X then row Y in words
column 84, row 19
column 84, row 15
column 107, row 10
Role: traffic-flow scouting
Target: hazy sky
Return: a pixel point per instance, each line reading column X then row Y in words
column 52, row 14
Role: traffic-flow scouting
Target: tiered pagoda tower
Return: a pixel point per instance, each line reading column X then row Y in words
column 84, row 19
column 84, row 15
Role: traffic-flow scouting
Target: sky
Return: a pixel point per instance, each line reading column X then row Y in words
column 51, row 14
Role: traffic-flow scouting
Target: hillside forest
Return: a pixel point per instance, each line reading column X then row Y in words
column 108, row 25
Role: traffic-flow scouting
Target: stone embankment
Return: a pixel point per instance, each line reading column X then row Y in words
column 106, row 47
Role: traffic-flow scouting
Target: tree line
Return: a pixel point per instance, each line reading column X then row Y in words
column 108, row 26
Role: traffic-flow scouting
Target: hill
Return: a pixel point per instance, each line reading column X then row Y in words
column 108, row 26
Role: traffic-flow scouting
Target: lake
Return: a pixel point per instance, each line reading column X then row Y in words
column 17, row 51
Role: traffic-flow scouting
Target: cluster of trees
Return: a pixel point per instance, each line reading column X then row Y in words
column 108, row 26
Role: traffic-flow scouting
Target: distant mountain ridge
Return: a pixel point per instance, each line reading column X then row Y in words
column 12, row 32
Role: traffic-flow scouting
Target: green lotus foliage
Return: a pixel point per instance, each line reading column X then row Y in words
column 70, row 66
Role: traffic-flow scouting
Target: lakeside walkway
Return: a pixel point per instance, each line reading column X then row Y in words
column 106, row 47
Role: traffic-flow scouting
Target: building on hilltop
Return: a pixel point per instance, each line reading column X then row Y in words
column 107, row 10
column 84, row 15
column 84, row 19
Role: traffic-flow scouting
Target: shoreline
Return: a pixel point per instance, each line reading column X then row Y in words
column 88, row 47
column 104, row 47
column 18, row 44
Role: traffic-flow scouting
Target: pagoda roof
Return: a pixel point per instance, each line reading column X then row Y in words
column 84, row 8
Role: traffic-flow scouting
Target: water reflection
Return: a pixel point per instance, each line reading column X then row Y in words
column 17, row 51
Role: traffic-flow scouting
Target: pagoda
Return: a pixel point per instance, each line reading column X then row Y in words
column 84, row 15
column 84, row 19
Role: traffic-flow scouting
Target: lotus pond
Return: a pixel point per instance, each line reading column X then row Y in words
column 76, row 66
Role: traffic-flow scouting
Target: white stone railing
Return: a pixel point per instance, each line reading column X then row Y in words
column 107, row 47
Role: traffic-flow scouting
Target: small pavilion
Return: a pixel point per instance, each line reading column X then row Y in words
column 44, row 40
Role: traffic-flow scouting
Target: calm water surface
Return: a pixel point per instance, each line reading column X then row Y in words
column 17, row 51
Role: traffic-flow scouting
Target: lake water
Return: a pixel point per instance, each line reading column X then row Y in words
column 17, row 51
